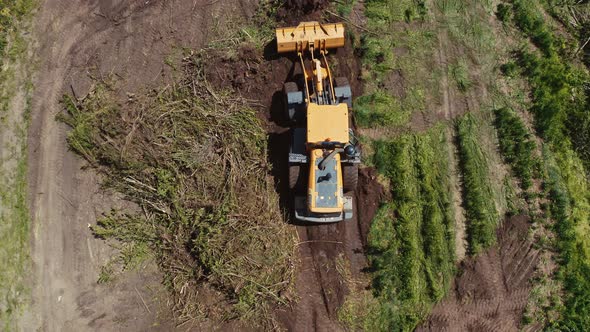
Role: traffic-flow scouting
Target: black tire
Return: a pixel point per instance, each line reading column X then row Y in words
column 289, row 87
column 350, row 177
column 295, row 176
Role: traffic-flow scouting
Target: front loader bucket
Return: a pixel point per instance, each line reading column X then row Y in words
column 310, row 34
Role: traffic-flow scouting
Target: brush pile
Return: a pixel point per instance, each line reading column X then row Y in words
column 194, row 161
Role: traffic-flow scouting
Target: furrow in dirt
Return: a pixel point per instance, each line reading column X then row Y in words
column 483, row 298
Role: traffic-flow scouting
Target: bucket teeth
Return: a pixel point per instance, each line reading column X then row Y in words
column 310, row 35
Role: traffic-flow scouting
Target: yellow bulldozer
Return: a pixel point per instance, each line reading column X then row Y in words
column 323, row 155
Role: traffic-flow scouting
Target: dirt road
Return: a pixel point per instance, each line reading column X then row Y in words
column 76, row 39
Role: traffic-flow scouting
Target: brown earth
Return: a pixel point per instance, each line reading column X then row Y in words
column 101, row 38
column 320, row 289
column 77, row 40
column 493, row 289
column 131, row 40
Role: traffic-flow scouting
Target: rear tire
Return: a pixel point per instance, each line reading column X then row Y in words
column 350, row 177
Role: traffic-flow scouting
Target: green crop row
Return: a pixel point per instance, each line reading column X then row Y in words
column 558, row 86
column 482, row 215
column 570, row 208
column 560, row 106
column 411, row 241
column 516, row 145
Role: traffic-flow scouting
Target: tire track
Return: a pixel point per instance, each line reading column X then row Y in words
column 485, row 297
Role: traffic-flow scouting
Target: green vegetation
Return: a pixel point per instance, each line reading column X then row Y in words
column 570, row 208
column 467, row 23
column 411, row 241
column 516, row 145
column 384, row 54
column 509, row 69
column 11, row 14
column 460, row 73
column 14, row 214
column 14, row 236
column 559, row 102
column 503, row 12
column 560, row 106
column 380, row 109
column 209, row 211
column 344, row 7
column 558, row 86
column 530, row 20
column 482, row 215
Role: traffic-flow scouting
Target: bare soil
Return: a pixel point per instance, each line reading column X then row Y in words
column 131, row 40
column 493, row 289
column 319, row 287
column 78, row 41
column 99, row 39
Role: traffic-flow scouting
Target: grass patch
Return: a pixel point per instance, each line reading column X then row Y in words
column 344, row 7
column 14, row 213
column 482, row 215
column 411, row 240
column 12, row 12
column 380, row 109
column 210, row 213
column 570, row 208
column 560, row 106
column 559, row 101
column 398, row 44
column 467, row 24
column 460, row 73
column 516, row 145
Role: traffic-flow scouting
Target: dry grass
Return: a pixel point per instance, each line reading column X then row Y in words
column 194, row 160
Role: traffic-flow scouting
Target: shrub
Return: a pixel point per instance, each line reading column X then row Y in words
column 509, row 69
column 530, row 21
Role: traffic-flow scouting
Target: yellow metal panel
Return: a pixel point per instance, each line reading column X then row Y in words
column 327, row 123
column 312, row 190
column 299, row 39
